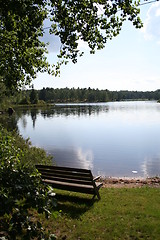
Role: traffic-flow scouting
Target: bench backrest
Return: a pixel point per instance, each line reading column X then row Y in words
column 65, row 174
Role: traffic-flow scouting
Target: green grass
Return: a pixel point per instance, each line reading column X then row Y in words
column 120, row 214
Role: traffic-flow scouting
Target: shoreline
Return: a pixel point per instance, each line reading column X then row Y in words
column 112, row 182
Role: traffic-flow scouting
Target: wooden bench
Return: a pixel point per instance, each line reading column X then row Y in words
column 71, row 179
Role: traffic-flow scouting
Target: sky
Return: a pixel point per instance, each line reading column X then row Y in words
column 130, row 61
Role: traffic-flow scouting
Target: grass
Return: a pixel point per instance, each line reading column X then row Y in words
column 120, row 214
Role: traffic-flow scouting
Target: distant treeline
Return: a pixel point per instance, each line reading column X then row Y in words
column 59, row 95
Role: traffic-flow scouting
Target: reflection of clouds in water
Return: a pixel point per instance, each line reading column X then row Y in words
column 73, row 157
column 151, row 166
column 86, row 158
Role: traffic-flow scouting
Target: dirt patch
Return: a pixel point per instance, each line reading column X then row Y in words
column 130, row 183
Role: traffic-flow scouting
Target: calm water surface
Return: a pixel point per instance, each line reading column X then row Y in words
column 118, row 139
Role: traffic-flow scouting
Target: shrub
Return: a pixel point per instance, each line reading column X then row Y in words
column 21, row 191
column 25, row 101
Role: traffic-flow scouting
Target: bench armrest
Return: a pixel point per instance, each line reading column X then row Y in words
column 96, row 178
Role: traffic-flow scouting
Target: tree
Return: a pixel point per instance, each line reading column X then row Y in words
column 22, row 53
column 42, row 94
column 33, row 96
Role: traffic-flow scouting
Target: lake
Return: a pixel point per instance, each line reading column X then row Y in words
column 114, row 139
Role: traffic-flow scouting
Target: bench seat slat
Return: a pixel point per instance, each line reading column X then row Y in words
column 66, row 179
column 66, row 173
column 73, row 176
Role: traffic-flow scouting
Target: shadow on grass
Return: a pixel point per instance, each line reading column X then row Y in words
column 74, row 205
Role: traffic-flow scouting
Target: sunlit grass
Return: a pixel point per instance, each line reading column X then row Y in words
column 120, row 214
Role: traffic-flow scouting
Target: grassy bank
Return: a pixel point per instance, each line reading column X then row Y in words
column 132, row 213
column 28, row 106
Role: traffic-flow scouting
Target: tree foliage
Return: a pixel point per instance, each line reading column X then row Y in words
column 22, row 53
column 93, row 95
column 33, row 96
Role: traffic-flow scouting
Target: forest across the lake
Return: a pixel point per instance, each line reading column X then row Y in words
column 59, row 95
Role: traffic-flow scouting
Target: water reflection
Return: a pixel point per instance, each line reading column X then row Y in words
column 61, row 110
column 151, row 166
column 74, row 110
column 24, row 122
column 34, row 117
column 113, row 139
column 75, row 157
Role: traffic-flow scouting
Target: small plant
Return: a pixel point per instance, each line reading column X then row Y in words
column 21, row 191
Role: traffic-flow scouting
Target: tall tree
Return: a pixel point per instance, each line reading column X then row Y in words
column 33, row 96
column 22, row 53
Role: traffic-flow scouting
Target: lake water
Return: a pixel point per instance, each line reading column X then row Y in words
column 118, row 139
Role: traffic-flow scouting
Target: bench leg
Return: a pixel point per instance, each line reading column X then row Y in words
column 96, row 194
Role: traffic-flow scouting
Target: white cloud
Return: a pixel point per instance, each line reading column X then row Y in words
column 151, row 27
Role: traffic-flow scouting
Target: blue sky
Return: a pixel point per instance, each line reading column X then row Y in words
column 131, row 61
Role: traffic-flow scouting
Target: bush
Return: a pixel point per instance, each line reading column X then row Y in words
column 25, row 101
column 21, row 191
